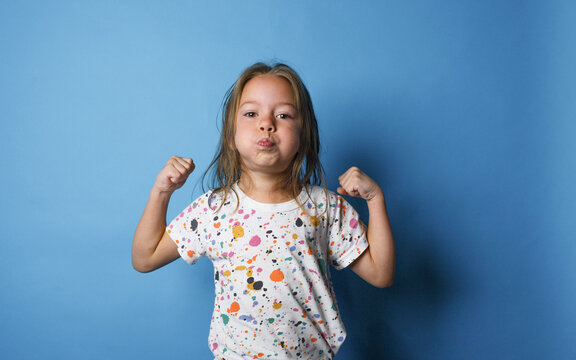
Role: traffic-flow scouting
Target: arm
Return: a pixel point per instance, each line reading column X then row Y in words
column 376, row 264
column 152, row 247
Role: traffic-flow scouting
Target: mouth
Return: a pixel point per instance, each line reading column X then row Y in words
column 265, row 142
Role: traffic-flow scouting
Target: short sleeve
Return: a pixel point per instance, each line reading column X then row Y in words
column 347, row 233
column 187, row 230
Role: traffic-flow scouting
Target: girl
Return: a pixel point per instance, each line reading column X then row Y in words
column 267, row 226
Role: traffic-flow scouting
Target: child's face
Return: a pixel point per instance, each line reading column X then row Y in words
column 267, row 125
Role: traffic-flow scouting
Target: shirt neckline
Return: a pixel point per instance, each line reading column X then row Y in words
column 289, row 205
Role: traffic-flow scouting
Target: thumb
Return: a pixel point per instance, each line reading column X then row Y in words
column 341, row 191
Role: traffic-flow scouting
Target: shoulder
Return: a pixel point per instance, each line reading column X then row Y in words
column 325, row 201
column 218, row 200
column 209, row 202
column 320, row 195
column 332, row 205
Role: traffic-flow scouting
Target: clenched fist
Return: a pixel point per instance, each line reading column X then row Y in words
column 355, row 183
column 174, row 174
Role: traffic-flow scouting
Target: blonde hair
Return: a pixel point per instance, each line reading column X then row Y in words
column 305, row 169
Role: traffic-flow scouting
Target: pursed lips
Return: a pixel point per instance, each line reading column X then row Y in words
column 265, row 142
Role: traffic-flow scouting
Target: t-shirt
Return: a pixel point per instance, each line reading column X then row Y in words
column 273, row 291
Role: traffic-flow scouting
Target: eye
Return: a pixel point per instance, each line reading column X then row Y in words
column 250, row 114
column 283, row 116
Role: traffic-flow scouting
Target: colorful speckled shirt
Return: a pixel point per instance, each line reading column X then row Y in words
column 274, row 297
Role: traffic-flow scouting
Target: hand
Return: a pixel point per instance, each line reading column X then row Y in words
column 355, row 183
column 174, row 174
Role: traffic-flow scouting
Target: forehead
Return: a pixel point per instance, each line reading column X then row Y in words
column 268, row 89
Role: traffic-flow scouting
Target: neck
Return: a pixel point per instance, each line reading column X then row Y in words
column 264, row 188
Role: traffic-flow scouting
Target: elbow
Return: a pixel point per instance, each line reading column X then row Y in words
column 141, row 269
column 141, row 266
column 384, row 283
column 142, row 262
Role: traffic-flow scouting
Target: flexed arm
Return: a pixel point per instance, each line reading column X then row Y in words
column 376, row 264
column 152, row 247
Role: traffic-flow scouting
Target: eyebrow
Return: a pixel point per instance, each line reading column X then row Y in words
column 254, row 102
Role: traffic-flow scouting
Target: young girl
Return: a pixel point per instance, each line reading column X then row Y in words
column 268, row 228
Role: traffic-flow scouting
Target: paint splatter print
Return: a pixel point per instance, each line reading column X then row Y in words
column 274, row 297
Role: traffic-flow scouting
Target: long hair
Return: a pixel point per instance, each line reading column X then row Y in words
column 305, row 168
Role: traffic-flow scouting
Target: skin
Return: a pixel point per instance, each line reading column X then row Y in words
column 152, row 247
column 376, row 264
column 267, row 138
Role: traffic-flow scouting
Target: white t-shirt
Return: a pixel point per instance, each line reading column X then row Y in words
column 274, row 297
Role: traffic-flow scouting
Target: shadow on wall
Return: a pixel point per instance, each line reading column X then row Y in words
column 386, row 323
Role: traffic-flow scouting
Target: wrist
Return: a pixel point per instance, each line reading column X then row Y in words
column 160, row 194
column 377, row 198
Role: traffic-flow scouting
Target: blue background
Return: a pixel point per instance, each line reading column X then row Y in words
column 463, row 111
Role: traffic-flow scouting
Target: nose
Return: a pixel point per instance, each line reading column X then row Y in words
column 267, row 123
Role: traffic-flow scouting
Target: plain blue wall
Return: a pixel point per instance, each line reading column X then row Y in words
column 462, row 110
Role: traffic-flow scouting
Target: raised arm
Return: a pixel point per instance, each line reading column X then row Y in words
column 376, row 264
column 152, row 247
